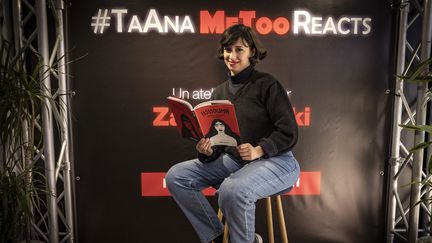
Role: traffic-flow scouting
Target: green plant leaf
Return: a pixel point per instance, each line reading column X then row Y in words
column 417, row 79
column 424, row 128
column 420, row 146
column 418, row 71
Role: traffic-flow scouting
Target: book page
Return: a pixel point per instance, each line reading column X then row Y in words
column 211, row 102
column 182, row 101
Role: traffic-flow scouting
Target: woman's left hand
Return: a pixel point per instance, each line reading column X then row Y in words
column 249, row 152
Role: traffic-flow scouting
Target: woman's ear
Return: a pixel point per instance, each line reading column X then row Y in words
column 253, row 51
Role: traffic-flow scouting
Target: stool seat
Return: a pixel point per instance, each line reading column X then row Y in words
column 269, row 213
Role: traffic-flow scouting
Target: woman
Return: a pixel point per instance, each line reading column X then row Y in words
column 221, row 133
column 263, row 165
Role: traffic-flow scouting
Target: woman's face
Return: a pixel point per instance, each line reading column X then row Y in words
column 236, row 56
column 219, row 126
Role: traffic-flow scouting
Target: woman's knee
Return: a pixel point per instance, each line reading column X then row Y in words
column 231, row 192
column 172, row 175
column 179, row 174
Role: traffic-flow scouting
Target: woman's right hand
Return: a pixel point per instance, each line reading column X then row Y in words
column 204, row 146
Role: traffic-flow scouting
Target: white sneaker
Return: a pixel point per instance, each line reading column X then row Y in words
column 258, row 238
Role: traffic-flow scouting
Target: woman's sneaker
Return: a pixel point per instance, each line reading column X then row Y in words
column 258, row 238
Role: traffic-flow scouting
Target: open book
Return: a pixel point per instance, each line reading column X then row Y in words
column 215, row 119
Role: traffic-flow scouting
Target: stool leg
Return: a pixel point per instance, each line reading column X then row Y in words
column 281, row 219
column 226, row 233
column 220, row 216
column 269, row 220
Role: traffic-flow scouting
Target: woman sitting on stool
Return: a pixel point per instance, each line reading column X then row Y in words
column 261, row 166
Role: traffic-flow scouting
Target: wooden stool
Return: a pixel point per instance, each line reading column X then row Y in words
column 270, row 229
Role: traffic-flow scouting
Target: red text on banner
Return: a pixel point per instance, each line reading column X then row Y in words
column 164, row 118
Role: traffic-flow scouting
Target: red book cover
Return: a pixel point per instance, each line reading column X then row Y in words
column 214, row 119
column 187, row 124
column 218, row 122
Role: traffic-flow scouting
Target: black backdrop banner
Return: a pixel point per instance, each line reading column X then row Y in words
column 333, row 57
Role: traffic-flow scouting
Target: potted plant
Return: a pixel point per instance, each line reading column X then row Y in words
column 22, row 182
column 423, row 74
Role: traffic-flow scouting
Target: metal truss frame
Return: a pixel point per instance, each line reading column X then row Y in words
column 399, row 226
column 28, row 26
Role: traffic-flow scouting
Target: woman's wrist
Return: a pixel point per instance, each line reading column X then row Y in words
column 259, row 151
column 209, row 152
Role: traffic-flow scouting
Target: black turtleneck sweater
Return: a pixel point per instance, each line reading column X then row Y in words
column 264, row 114
column 237, row 81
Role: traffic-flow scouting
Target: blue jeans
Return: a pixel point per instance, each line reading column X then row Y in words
column 239, row 187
